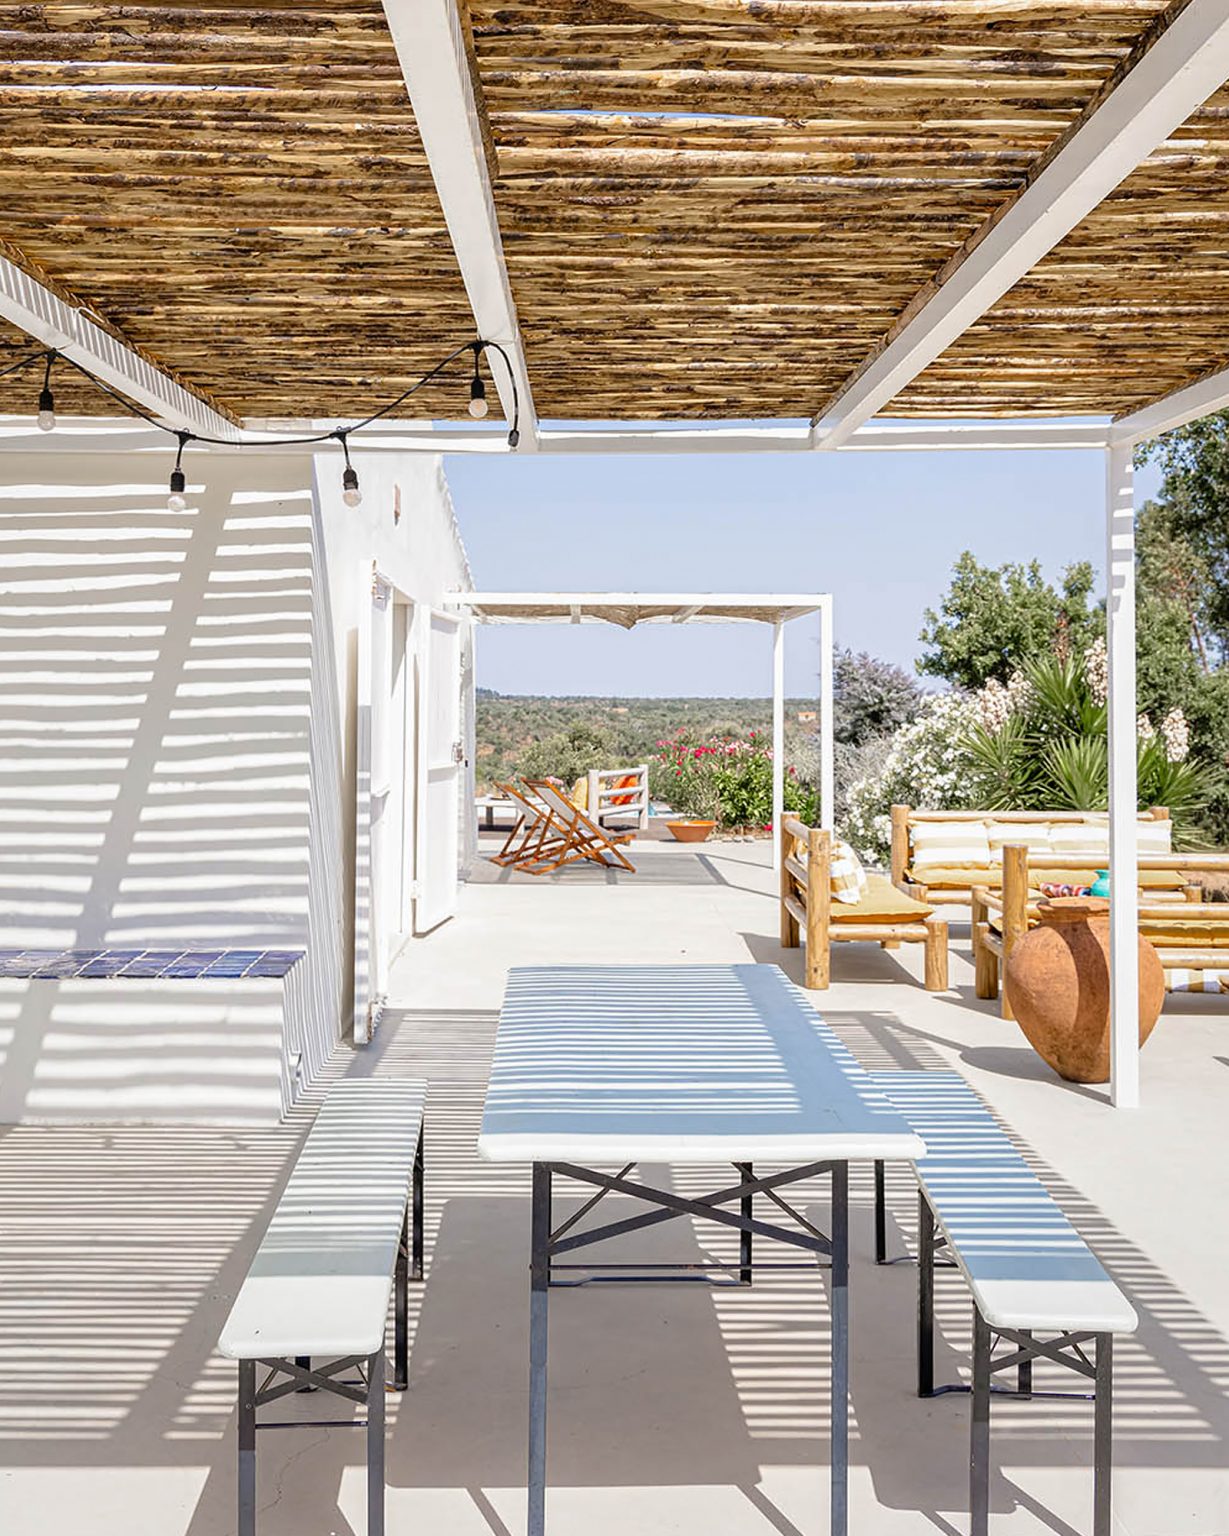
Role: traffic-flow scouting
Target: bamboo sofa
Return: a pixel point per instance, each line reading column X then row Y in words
column 941, row 856
column 883, row 915
column 1191, row 936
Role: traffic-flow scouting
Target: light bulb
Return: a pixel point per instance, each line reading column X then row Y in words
column 46, row 411
column 477, row 399
column 350, row 492
column 176, row 501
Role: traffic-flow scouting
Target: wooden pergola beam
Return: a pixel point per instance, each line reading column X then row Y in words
column 45, row 310
column 1180, row 62
column 433, row 50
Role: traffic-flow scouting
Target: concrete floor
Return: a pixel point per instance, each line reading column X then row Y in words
column 673, row 1409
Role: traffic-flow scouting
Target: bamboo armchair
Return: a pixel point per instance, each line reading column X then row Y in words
column 883, row 915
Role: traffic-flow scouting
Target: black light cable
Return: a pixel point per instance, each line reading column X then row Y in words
column 351, row 494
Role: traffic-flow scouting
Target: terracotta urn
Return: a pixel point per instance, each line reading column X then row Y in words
column 1057, row 980
column 692, row 831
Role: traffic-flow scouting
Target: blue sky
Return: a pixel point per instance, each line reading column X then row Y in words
column 878, row 530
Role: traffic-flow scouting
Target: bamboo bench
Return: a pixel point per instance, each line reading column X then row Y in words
column 883, row 916
column 1188, row 934
column 1036, row 1285
column 350, row 1216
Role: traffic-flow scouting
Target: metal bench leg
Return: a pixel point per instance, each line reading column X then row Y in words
column 1024, row 1374
column 375, row 1443
column 401, row 1305
column 925, row 1297
column 881, row 1215
column 746, row 1171
column 539, row 1299
column 416, row 1265
column 247, row 1448
column 840, row 1349
column 979, row 1440
column 1103, row 1434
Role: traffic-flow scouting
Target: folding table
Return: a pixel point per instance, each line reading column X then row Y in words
column 679, row 1064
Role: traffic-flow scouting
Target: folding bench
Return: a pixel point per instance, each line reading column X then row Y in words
column 319, row 1285
column 1037, row 1287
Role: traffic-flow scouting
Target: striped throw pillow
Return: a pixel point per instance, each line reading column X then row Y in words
column 950, row 844
column 847, row 878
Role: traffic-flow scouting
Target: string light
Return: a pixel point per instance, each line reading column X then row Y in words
column 477, row 389
column 176, row 501
column 46, row 400
column 350, row 492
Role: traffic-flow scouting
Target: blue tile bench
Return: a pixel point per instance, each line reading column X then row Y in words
column 148, row 964
column 142, row 1035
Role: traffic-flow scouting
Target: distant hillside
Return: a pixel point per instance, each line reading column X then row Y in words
column 509, row 724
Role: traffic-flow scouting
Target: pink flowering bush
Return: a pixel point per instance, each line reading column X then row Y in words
column 723, row 779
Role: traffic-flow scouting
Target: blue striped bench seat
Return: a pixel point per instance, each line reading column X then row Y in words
column 1037, row 1287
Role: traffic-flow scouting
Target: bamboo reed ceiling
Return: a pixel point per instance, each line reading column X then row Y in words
column 709, row 208
column 719, row 207
column 241, row 190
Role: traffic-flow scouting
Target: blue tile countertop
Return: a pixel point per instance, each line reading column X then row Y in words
column 146, row 964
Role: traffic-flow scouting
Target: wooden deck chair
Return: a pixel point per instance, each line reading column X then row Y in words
column 531, row 833
column 572, row 835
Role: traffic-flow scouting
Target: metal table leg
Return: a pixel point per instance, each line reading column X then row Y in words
column 840, row 1349
column 375, row 1443
column 247, row 1448
column 539, row 1298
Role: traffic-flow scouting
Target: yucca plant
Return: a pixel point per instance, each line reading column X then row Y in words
column 1043, row 747
column 1077, row 773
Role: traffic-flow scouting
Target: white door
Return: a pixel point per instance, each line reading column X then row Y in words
column 373, row 921
column 441, row 767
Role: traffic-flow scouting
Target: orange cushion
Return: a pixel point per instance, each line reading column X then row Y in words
column 628, row 781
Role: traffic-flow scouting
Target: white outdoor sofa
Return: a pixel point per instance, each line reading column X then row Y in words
column 318, row 1288
column 1037, row 1287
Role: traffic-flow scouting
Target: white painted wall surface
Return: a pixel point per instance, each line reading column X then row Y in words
column 176, row 742
column 422, row 556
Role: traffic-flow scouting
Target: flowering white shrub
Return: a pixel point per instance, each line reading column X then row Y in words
column 1144, row 728
column 1176, row 734
column 1097, row 670
column 928, row 767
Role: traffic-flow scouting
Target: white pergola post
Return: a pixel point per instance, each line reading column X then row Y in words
column 827, row 774
column 778, row 738
column 1123, row 787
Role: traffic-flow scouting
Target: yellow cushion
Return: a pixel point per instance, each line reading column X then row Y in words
column 1189, row 933
column 579, row 795
column 960, row 879
column 880, row 899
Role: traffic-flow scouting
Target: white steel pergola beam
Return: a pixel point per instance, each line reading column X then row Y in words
column 1189, row 403
column 115, row 435
column 1123, row 778
column 33, row 307
column 1149, row 96
column 430, row 40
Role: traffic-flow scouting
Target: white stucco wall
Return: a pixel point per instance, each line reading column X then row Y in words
column 177, row 709
column 423, row 556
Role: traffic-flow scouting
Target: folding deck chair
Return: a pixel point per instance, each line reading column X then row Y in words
column 571, row 835
column 530, row 835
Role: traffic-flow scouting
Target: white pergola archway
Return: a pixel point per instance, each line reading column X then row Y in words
column 628, row 609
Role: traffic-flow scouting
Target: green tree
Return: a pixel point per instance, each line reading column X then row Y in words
column 870, row 698
column 992, row 620
column 1191, row 519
